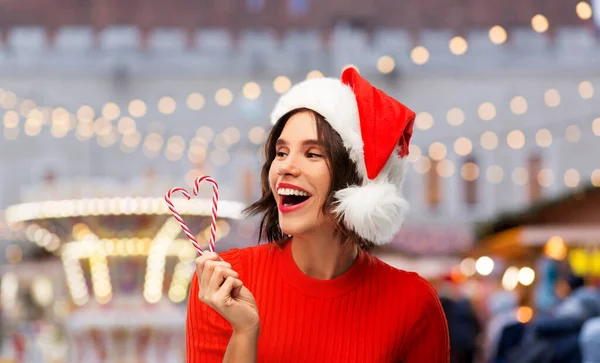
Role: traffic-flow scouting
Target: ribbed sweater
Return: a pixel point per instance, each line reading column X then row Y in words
column 372, row 313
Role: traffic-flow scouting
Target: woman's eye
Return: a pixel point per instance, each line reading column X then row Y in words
column 280, row 154
column 314, row 155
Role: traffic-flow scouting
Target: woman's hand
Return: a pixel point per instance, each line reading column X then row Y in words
column 221, row 289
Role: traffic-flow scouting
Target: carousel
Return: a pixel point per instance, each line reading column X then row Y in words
column 126, row 265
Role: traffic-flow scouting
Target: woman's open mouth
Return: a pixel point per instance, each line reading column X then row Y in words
column 291, row 197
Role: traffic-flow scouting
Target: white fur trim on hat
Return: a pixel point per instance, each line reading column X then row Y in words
column 374, row 210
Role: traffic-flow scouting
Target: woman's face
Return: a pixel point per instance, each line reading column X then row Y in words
column 299, row 176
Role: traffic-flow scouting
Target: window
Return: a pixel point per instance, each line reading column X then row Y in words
column 298, row 7
column 470, row 174
column 255, row 6
column 534, row 166
column 433, row 186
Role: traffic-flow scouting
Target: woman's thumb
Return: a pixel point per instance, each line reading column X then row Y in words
column 237, row 287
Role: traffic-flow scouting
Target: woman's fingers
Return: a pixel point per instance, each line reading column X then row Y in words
column 223, row 295
column 205, row 266
column 220, row 274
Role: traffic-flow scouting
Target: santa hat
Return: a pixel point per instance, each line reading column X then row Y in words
column 376, row 130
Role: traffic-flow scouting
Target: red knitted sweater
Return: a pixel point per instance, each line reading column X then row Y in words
column 372, row 313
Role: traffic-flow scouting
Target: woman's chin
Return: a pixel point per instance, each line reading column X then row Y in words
column 295, row 230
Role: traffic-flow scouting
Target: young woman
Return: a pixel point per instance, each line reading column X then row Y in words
column 331, row 190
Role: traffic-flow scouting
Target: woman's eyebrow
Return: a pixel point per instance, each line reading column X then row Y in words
column 310, row 142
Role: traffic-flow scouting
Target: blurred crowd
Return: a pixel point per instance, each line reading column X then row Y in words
column 564, row 326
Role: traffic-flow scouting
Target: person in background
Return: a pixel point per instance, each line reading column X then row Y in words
column 463, row 322
column 589, row 341
column 502, row 313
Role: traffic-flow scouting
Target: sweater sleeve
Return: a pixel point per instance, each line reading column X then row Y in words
column 207, row 332
column 428, row 340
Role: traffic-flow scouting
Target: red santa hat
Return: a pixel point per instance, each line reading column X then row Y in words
column 376, row 130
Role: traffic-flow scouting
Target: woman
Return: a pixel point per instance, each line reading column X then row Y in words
column 331, row 191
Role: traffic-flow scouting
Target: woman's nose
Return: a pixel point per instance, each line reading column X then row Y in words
column 288, row 167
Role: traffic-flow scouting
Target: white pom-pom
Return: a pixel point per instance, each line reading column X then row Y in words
column 374, row 211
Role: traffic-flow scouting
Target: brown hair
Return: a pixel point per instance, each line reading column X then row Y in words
column 343, row 174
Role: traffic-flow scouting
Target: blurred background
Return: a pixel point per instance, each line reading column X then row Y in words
column 107, row 104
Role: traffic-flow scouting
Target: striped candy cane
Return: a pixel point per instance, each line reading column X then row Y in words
column 184, row 226
column 215, row 200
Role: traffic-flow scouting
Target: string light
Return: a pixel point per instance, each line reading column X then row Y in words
column 110, row 111
column 486, row 111
column 206, row 133
column 386, row 64
column 232, row 135
column 470, row 171
column 437, row 151
column 197, row 153
column 543, row 138
column 251, row 90
column 488, row 140
column 519, row 176
column 223, row 97
column 9, row 100
column 256, row 135
column 137, row 108
column 195, row 101
column 572, row 178
column 26, row 106
column 85, row 114
column 494, row 174
column 510, row 279
column 11, row 119
column 516, row 139
column 419, row 55
column 167, row 105
column 552, row 97
column 281, row 84
column 424, row 121
column 596, row 177
column 445, row 168
column 423, row 165
column 463, row 146
column 518, row 105
column 458, row 45
column 596, row 126
column 572, row 133
column 455, row 116
column 545, row 177
column 524, row 314
column 586, row 90
column 539, row 23
column 32, row 127
column 414, row 153
column 314, row 74
column 126, row 125
column 583, row 10
column 498, row 34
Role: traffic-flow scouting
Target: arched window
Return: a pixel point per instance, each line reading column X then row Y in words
column 470, row 174
column 534, row 166
column 433, row 190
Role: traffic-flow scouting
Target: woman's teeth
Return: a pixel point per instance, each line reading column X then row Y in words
column 287, row 191
column 291, row 197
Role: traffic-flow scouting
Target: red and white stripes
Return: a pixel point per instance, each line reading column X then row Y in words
column 215, row 200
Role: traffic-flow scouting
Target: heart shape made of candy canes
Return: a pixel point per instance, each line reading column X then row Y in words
column 215, row 200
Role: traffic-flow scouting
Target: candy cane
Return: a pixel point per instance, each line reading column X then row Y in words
column 213, row 225
column 184, row 226
column 215, row 200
